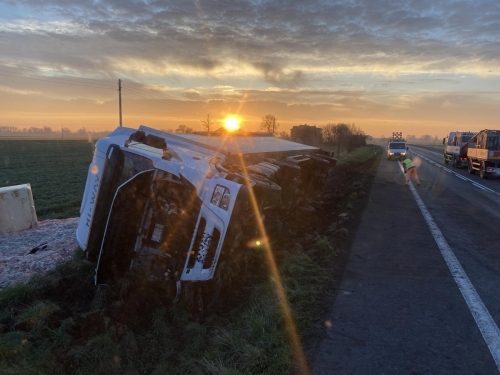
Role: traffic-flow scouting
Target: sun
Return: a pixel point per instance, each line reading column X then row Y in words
column 232, row 124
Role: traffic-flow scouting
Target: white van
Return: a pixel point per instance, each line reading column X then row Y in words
column 396, row 150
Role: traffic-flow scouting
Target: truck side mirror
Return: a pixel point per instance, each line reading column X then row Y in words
column 444, row 140
column 406, row 147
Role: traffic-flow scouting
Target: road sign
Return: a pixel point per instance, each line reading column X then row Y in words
column 397, row 136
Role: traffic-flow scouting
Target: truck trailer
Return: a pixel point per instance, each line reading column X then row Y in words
column 171, row 205
column 483, row 153
column 456, row 148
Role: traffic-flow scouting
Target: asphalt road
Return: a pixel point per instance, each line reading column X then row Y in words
column 399, row 309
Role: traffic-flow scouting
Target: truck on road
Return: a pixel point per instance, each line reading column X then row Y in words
column 456, row 148
column 483, row 153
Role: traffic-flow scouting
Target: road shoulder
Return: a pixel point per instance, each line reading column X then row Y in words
column 398, row 309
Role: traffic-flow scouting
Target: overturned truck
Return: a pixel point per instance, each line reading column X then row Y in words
column 170, row 204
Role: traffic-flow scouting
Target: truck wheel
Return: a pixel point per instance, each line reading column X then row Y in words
column 470, row 170
column 446, row 161
column 454, row 161
column 482, row 171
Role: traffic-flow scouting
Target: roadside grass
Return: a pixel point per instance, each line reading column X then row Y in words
column 42, row 330
column 56, row 170
column 359, row 155
column 60, row 323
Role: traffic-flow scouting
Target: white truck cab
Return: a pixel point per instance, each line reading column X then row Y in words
column 172, row 211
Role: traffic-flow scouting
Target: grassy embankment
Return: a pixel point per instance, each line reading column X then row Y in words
column 359, row 155
column 60, row 323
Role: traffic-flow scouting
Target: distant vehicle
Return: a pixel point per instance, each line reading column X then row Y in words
column 396, row 150
column 483, row 153
column 456, row 148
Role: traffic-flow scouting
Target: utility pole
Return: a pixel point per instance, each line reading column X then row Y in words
column 62, row 137
column 120, row 99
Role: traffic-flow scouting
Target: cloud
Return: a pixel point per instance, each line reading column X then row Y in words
column 10, row 90
column 339, row 55
column 192, row 95
column 278, row 76
column 209, row 36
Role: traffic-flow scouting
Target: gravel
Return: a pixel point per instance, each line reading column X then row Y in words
column 16, row 262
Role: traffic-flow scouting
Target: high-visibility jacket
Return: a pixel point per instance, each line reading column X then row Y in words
column 408, row 164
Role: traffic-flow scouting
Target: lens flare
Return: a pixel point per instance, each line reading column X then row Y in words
column 293, row 336
column 232, row 124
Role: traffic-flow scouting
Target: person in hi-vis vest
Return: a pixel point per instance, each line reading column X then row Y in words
column 410, row 170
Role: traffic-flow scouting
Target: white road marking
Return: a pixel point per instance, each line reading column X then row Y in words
column 484, row 321
column 483, row 187
column 474, row 183
column 479, row 186
column 432, row 152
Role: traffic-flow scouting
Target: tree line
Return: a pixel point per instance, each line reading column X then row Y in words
column 341, row 135
column 47, row 130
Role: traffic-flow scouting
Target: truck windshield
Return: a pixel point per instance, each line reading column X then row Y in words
column 397, row 145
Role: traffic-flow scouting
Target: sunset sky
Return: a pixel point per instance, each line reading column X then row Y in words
column 420, row 67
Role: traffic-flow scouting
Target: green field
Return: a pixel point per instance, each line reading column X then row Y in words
column 56, row 170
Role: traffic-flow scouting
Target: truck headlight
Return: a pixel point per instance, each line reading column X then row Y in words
column 221, row 197
column 391, row 153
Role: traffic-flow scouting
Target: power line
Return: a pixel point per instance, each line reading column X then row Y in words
column 202, row 109
column 66, row 74
column 54, row 81
column 173, row 102
column 133, row 88
column 138, row 92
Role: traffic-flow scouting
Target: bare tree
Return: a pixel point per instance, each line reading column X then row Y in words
column 207, row 122
column 284, row 135
column 184, row 129
column 426, row 138
column 356, row 138
column 82, row 131
column 269, row 124
column 341, row 135
column 328, row 133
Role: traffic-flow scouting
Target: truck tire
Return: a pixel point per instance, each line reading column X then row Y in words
column 446, row 161
column 470, row 170
column 482, row 171
column 454, row 162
